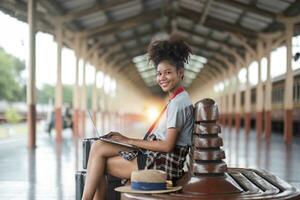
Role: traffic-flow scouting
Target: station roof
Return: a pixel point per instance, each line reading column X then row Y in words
column 219, row 31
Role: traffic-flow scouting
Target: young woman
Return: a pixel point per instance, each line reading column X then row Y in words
column 166, row 145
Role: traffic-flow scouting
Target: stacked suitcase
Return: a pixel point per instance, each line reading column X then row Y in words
column 80, row 176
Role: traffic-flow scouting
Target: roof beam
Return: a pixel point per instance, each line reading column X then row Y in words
column 204, row 75
column 243, row 41
column 215, row 51
column 19, row 11
column 217, row 24
column 124, row 24
column 225, row 60
column 208, row 37
column 96, row 7
column 103, row 47
column 228, row 54
column 212, row 69
column 217, row 64
column 205, row 11
column 293, row 9
column 248, row 8
column 122, row 41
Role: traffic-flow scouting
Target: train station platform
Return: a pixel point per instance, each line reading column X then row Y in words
column 245, row 57
column 48, row 172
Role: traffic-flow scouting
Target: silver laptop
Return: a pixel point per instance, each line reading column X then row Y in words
column 103, row 138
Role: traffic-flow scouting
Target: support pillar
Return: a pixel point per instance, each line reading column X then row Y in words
column 83, row 101
column 76, row 92
column 221, row 106
column 247, row 103
column 83, row 92
column 225, row 103
column 94, row 99
column 237, row 104
column 230, row 98
column 31, row 88
column 105, row 97
column 288, row 92
column 219, row 102
column 101, row 98
column 103, row 126
column 58, row 88
column 268, row 99
column 259, row 93
column 101, row 108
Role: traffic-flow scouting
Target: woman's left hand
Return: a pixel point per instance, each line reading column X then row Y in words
column 119, row 137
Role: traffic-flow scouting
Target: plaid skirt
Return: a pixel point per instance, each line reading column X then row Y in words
column 172, row 163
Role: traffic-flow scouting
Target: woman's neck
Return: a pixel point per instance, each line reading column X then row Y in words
column 172, row 91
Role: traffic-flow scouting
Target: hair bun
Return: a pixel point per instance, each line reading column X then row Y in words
column 174, row 49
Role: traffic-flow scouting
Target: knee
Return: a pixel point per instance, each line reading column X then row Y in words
column 97, row 147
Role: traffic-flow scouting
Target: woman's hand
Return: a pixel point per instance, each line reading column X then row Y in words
column 116, row 136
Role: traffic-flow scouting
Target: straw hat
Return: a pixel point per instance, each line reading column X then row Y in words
column 148, row 182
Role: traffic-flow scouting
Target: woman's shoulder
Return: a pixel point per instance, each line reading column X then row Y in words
column 181, row 101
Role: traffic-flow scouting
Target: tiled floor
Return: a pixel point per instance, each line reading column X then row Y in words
column 250, row 151
column 48, row 172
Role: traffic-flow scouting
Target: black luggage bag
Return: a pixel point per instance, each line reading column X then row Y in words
column 112, row 183
column 79, row 183
column 86, row 147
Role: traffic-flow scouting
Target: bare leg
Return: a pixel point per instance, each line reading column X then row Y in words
column 118, row 167
column 101, row 189
column 98, row 161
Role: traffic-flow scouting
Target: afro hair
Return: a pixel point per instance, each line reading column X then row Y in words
column 173, row 50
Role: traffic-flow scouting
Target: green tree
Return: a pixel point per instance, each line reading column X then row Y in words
column 11, row 83
column 45, row 94
column 12, row 115
column 48, row 93
column 68, row 94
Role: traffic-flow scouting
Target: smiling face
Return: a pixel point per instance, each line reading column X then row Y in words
column 168, row 76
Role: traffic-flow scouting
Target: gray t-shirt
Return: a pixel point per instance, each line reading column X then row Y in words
column 179, row 114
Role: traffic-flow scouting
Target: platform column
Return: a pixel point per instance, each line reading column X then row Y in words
column 31, row 87
column 221, row 102
column 259, row 92
column 237, row 103
column 107, row 99
column 83, row 91
column 58, row 89
column 101, row 97
column 76, row 95
column 223, row 114
column 94, row 98
column 101, row 105
column 230, row 99
column 288, row 89
column 225, row 102
column 83, row 99
column 268, row 99
column 247, row 102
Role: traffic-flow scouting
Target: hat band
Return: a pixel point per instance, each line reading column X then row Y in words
column 148, row 186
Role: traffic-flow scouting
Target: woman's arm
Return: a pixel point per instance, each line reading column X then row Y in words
column 160, row 146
